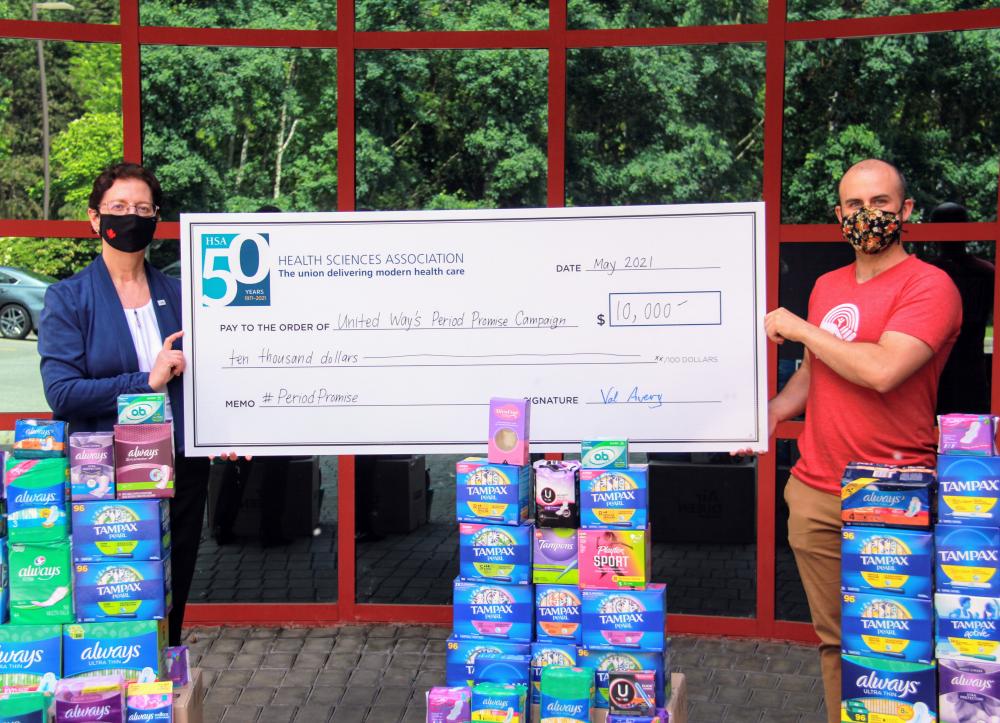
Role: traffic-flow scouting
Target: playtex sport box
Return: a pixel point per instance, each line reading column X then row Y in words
column 124, row 590
column 558, row 614
column 633, row 619
column 885, row 626
column 491, row 493
column 493, row 611
column 968, row 490
column 614, row 559
column 30, row 657
column 605, row 662
column 460, row 657
column 887, row 691
column 885, row 560
column 132, row 650
column 967, row 559
column 121, row 529
column 495, row 553
column 968, row 627
column 968, row 691
column 884, row 496
column 615, row 498
column 36, row 499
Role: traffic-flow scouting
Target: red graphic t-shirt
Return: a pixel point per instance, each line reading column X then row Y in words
column 846, row 422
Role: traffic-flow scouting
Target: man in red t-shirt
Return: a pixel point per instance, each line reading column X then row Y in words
column 878, row 334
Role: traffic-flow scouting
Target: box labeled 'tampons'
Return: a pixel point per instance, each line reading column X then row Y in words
column 555, row 558
column 967, row 559
column 614, row 559
column 887, row 560
column 968, row 490
column 615, row 498
column 460, row 657
column 123, row 590
column 888, row 691
column 886, row 626
column 495, row 553
column 491, row 493
column 968, row 627
column 558, row 614
column 121, row 530
column 633, row 619
column 885, row 496
column 490, row 610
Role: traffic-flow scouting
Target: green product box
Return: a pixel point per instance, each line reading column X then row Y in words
column 41, row 583
column 604, row 454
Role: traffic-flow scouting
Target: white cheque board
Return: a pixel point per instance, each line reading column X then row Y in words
column 370, row 333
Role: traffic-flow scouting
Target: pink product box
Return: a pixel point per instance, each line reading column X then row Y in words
column 614, row 559
column 144, row 460
column 972, row 434
column 508, row 442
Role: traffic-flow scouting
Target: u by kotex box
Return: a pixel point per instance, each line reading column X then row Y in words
column 884, row 496
column 495, row 553
column 92, row 465
column 122, row 590
column 968, row 627
column 491, row 493
column 36, row 499
column 968, row 490
column 41, row 583
column 555, row 557
column 605, row 662
column 968, row 691
column 967, row 559
column 544, row 655
column 493, row 668
column 460, row 656
column 121, row 530
column 142, row 408
column 969, row 434
column 557, row 493
column 39, row 438
column 633, row 619
column 144, row 460
column 132, row 650
column 887, row 560
column 558, row 614
column 604, row 454
column 615, row 498
column 614, row 559
column 30, row 657
column 887, row 626
column 500, row 703
column 889, row 691
column 493, row 611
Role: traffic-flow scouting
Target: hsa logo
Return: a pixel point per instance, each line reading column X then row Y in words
column 235, row 269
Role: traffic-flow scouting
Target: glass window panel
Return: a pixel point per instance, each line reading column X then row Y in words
column 832, row 9
column 789, row 596
column 664, row 125
column 451, row 129
column 75, row 11
column 233, row 129
column 586, row 14
column 925, row 102
column 275, row 14
column 83, row 92
column 450, row 15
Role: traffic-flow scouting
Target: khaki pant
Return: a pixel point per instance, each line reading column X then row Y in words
column 814, row 534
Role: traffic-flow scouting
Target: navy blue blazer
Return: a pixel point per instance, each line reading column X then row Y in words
column 88, row 357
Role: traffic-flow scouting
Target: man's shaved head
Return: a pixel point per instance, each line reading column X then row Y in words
column 872, row 167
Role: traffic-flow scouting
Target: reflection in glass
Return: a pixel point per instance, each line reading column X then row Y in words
column 664, row 125
column 436, row 15
column 232, row 129
column 74, row 11
column 451, row 129
column 276, row 14
column 789, row 596
column 832, row 9
column 586, row 14
column 924, row 102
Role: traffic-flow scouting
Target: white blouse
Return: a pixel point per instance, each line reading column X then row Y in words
column 147, row 340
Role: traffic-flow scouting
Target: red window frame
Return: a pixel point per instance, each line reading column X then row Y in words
column 774, row 34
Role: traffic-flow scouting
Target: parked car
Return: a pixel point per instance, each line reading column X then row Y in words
column 173, row 269
column 22, row 295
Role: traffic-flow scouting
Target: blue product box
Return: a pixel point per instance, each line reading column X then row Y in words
column 886, row 560
column 492, row 493
column 4, row 582
column 615, row 498
column 493, row 611
column 632, row 619
column 968, row 490
column 39, row 438
column 881, row 495
column 507, row 669
column 125, row 590
column 967, row 559
column 543, row 655
column 30, row 657
column 121, row 529
column 890, row 691
column 967, row 627
column 126, row 649
column 887, row 626
column 558, row 614
column 605, row 662
column 460, row 657
column 495, row 553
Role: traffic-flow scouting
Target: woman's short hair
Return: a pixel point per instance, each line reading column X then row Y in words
column 109, row 175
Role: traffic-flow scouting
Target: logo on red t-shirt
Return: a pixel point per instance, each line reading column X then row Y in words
column 842, row 321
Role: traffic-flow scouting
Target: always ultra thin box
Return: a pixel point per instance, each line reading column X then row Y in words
column 36, row 499
column 30, row 657
column 493, row 611
column 968, row 490
column 887, row 560
column 126, row 649
column 888, row 691
column 121, row 529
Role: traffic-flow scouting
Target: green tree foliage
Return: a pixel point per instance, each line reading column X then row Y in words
column 57, row 257
column 652, row 13
column 832, row 9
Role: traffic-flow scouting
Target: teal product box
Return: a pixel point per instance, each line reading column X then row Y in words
column 121, row 530
column 568, row 696
column 558, row 614
column 39, row 438
column 494, row 668
column 495, row 553
column 493, row 611
column 123, row 590
column 967, row 559
column 632, row 619
column 968, row 490
column 887, row 626
column 544, row 655
column 555, row 556
column 25, row 708
column 4, row 582
column 460, row 657
column 499, row 703
column 615, row 499
column 30, row 657
column 36, row 499
column 880, row 495
column 126, row 649
column 888, row 560
column 41, row 583
column 891, row 691
column 142, row 408
column 967, row 627
column 604, row 454
column 492, row 493
column 605, row 662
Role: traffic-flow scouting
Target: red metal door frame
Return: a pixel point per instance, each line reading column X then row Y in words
column 557, row 39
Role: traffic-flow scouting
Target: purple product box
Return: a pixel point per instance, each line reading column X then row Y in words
column 178, row 665
column 449, row 705
column 508, row 443
column 92, row 465
column 972, row 434
column 968, row 691
column 144, row 460
column 557, row 493
column 95, row 700
column 555, row 560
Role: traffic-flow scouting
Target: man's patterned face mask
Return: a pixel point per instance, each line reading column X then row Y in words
column 870, row 230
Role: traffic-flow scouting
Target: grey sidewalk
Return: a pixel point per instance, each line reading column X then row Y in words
column 378, row 674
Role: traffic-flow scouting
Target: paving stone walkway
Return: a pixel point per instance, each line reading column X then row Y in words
column 378, row 674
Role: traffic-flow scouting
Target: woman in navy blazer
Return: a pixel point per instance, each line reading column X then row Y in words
column 114, row 328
